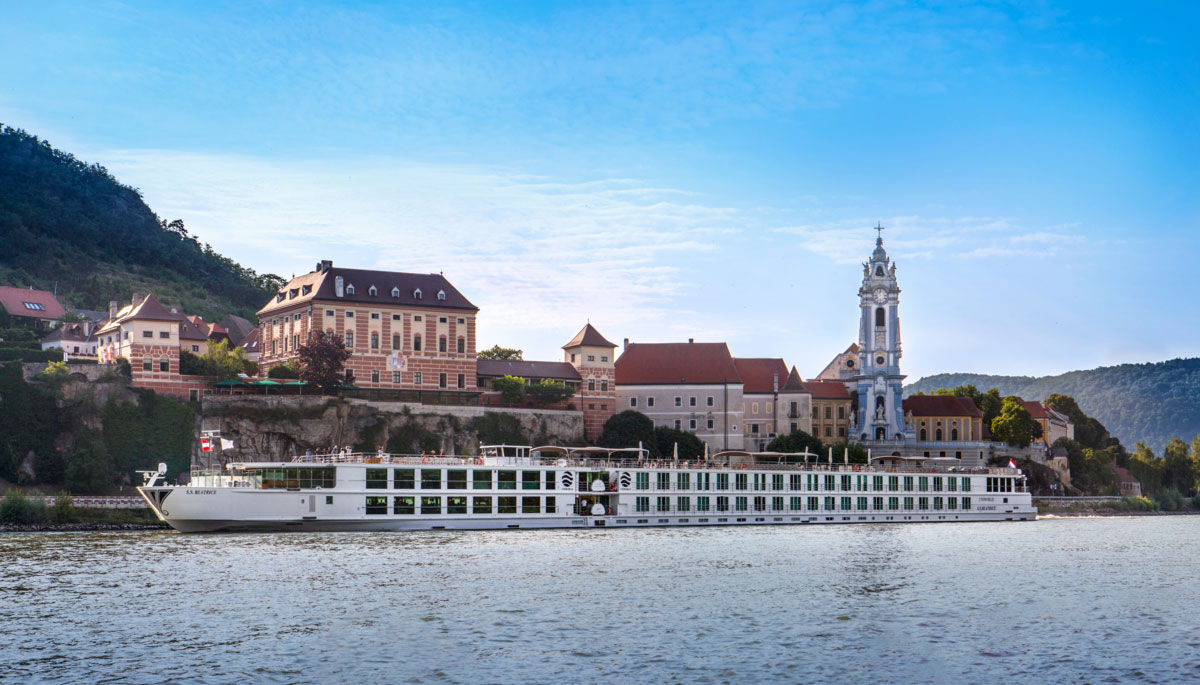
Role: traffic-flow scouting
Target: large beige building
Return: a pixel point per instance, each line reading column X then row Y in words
column 771, row 406
column 688, row 386
column 831, row 410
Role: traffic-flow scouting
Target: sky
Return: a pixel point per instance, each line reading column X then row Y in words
column 670, row 170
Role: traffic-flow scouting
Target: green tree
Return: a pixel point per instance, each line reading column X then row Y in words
column 546, row 392
column 504, row 353
column 494, row 428
column 690, row 446
column 798, row 441
column 1014, row 425
column 511, row 389
column 627, row 429
column 289, row 370
column 90, row 469
column 220, row 362
column 55, row 373
column 322, row 360
column 1180, row 472
column 858, row 453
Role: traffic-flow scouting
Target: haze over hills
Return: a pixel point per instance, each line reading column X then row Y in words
column 69, row 226
column 1150, row 402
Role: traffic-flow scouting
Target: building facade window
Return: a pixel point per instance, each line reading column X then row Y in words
column 442, row 380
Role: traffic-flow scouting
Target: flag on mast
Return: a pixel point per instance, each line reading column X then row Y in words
column 1011, row 465
column 205, row 445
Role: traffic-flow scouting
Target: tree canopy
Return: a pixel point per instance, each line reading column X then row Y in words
column 797, row 441
column 665, row 439
column 323, row 359
column 1014, row 426
column 503, row 353
column 627, row 429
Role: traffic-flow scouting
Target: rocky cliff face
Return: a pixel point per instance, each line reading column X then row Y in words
column 279, row 428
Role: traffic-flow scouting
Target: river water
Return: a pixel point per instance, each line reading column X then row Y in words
column 1090, row 600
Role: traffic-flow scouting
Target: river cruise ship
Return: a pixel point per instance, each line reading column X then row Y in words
column 555, row 487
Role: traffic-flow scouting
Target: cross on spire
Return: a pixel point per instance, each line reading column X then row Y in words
column 878, row 231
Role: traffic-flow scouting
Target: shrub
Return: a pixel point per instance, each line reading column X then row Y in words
column 289, row 370
column 64, row 508
column 1169, row 499
column 17, row 508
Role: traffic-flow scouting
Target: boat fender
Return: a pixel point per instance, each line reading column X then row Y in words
column 612, row 487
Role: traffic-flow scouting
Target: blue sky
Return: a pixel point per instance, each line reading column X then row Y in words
column 671, row 170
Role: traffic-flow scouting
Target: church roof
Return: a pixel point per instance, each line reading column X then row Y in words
column 588, row 335
column 941, row 405
column 676, row 364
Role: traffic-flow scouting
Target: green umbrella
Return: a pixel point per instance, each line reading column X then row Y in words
column 228, row 383
column 266, row 382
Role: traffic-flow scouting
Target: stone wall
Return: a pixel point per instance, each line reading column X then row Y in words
column 278, row 428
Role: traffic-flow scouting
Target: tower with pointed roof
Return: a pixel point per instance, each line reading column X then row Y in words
column 592, row 355
column 879, row 383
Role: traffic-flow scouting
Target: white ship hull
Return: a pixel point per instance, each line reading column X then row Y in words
column 402, row 495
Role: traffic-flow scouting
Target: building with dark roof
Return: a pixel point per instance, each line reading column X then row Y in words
column 74, row 339
column 946, row 426
column 843, row 367
column 404, row 330
column 688, row 386
column 1054, row 424
column 769, row 407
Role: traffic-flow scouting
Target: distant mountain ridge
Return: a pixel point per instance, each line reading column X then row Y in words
column 70, row 226
column 1150, row 402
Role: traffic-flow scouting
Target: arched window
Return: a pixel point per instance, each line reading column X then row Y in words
column 395, row 292
column 879, row 270
column 954, row 434
column 417, row 294
column 879, row 407
column 879, row 316
column 372, row 291
column 924, row 435
column 938, row 435
column 441, row 294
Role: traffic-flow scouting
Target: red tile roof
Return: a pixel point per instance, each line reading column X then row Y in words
column 250, row 342
column 588, row 335
column 559, row 371
column 941, row 405
column 149, row 309
column 761, row 375
column 853, row 349
column 41, row 304
column 675, row 364
column 827, row 390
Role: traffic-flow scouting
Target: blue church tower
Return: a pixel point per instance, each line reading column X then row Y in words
column 879, row 412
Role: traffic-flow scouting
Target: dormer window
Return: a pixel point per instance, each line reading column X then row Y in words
column 306, row 290
column 417, row 294
column 372, row 291
column 349, row 288
column 293, row 292
column 441, row 295
column 280, row 295
column 395, row 292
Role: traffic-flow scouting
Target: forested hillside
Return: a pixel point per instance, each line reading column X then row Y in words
column 70, row 224
column 1147, row 402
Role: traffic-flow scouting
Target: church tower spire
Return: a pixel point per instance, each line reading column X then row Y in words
column 879, row 382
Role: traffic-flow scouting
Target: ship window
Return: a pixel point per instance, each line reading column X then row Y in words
column 376, row 505
column 431, row 479
column 481, row 505
column 456, row 480
column 643, row 481
column 431, row 505
column 508, row 481
column 531, row 480
column 456, row 505
column 531, row 505
column 482, row 480
column 404, row 479
column 377, row 479
column 506, row 505
column 404, row 505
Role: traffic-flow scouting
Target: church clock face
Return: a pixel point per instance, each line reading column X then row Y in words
column 880, row 296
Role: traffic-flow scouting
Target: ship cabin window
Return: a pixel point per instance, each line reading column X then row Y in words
column 506, row 505
column 404, row 505
column 550, row 480
column 508, row 481
column 482, row 480
column 376, row 505
column 937, row 483
column 722, row 481
column 664, row 481
column 377, row 479
column 966, row 486
column 643, row 481
column 923, row 483
column 456, row 505
column 431, row 505
column 404, row 479
column 292, row 478
column 481, row 505
column 531, row 480
column 740, row 481
column 431, row 479
column 908, row 483
column 966, row 503
column 684, row 481
column 531, row 505
column 456, row 480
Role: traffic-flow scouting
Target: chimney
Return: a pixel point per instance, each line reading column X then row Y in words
column 325, row 265
column 625, row 345
column 112, row 309
column 691, row 340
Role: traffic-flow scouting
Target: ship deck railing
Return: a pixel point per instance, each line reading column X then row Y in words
column 600, row 464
